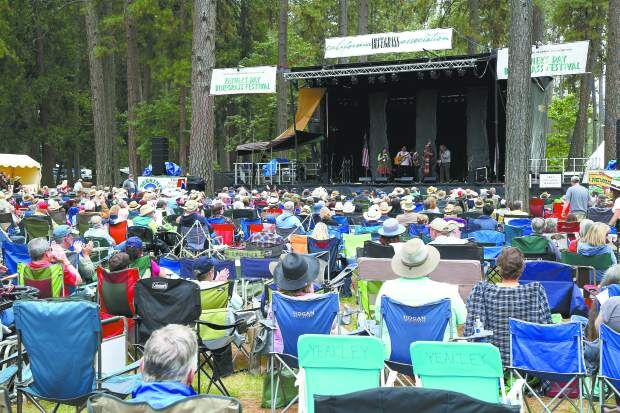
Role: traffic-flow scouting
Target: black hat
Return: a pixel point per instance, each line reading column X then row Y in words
column 202, row 266
column 295, row 271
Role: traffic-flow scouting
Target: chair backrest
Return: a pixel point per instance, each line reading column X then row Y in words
column 59, row 216
column 245, row 213
column 517, row 227
column 488, row 237
column 531, row 244
column 600, row 214
column 352, row 242
column 216, row 220
column 162, row 301
column 406, row 324
column 12, row 254
column 103, row 403
column 143, row 265
column 118, row 231
column 37, row 227
column 464, row 273
column 331, row 246
column 469, row 251
column 49, row 280
column 537, row 207
column 255, row 268
column 171, row 263
column 421, row 231
column 557, row 280
column 568, row 227
column 474, row 369
column 116, row 291
column 83, row 219
column 230, row 265
column 62, row 357
column 296, row 317
column 376, row 269
column 375, row 250
column 299, row 243
column 195, row 236
column 214, row 302
column 336, row 365
column 599, row 262
column 549, row 348
column 226, row 232
column 245, row 223
column 234, row 253
column 609, row 367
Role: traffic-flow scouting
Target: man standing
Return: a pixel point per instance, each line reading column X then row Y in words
column 129, row 185
column 404, row 164
column 444, row 163
column 577, row 198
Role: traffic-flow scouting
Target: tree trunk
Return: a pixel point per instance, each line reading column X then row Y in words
column 474, row 21
column 362, row 22
column 183, row 143
column 612, row 79
column 519, row 101
column 282, row 117
column 538, row 24
column 343, row 23
column 578, row 140
column 133, row 91
column 98, row 94
column 203, row 60
column 109, row 81
column 245, row 28
column 595, row 120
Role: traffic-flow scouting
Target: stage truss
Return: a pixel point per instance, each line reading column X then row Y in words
column 384, row 69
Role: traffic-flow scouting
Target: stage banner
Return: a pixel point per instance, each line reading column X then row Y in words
column 259, row 79
column 161, row 182
column 377, row 43
column 550, row 59
column 599, row 181
column 550, row 181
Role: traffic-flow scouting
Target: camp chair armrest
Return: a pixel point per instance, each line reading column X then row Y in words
column 514, row 396
column 338, row 280
column 219, row 326
column 267, row 323
column 130, row 367
column 112, row 320
column 8, row 277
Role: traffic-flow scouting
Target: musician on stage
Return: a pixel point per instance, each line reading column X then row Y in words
column 415, row 162
column 383, row 163
column 444, row 163
column 427, row 156
column 403, row 162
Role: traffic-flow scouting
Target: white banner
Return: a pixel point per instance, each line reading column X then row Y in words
column 550, row 59
column 259, row 79
column 369, row 44
column 162, row 182
column 550, row 181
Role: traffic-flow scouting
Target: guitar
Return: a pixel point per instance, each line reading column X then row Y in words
column 398, row 159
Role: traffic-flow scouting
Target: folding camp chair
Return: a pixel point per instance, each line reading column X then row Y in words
column 143, row 265
column 470, row 251
column 245, row 223
column 600, row 214
column 299, row 243
column 83, row 221
column 563, row 295
column 375, row 250
column 171, row 263
column 116, row 297
column 534, row 247
column 517, row 227
column 144, row 233
column 102, row 250
column 216, row 220
column 594, row 265
column 246, row 213
column 37, row 227
column 226, row 232
column 118, row 231
column 295, row 317
column 372, row 272
column 551, row 352
column 103, row 403
column 568, row 227
column 464, row 273
column 420, row 231
column 331, row 247
column 61, row 356
column 196, row 241
column 352, row 242
column 406, row 324
column 253, row 270
column 332, row 365
column 537, row 207
column 609, row 367
column 49, row 281
column 59, row 216
column 5, row 401
column 12, row 254
column 474, row 369
column 488, row 237
column 6, row 220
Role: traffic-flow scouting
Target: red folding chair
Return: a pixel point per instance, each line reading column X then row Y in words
column 568, row 227
column 537, row 207
column 118, row 231
column 116, row 293
column 226, row 232
column 254, row 228
column 558, row 210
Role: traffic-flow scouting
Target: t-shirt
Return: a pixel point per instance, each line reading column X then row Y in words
column 616, row 206
column 610, row 313
column 577, row 196
column 445, row 156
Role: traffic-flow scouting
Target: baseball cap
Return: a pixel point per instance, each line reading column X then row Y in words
column 133, row 242
column 202, row 266
column 62, row 231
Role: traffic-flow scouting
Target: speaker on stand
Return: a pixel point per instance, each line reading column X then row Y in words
column 159, row 155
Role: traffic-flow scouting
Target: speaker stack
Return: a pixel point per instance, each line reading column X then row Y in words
column 159, row 155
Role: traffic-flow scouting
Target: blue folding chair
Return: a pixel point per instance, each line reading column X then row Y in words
column 61, row 338
column 170, row 263
column 245, row 223
column 330, row 246
column 216, row 220
column 564, row 296
column 12, row 254
column 219, row 265
column 420, row 231
column 488, row 237
column 551, row 352
column 407, row 324
column 296, row 317
column 253, row 270
column 609, row 367
column 517, row 227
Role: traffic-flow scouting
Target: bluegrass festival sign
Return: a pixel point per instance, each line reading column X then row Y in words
column 370, row 44
column 550, row 60
column 243, row 80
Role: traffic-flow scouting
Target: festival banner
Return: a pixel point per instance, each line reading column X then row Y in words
column 161, row 182
column 599, row 181
column 550, row 59
column 259, row 79
column 370, row 44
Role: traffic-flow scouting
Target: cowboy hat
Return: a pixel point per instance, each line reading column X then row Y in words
column 295, row 271
column 384, row 208
column 391, row 228
column 348, row 207
column 53, row 205
column 448, row 209
column 415, row 259
column 191, row 206
column 325, row 213
column 339, row 206
column 305, row 210
column 545, row 195
column 407, row 204
column 441, row 225
column 398, row 191
column 441, row 194
column 478, row 202
column 372, row 214
column 146, row 209
column 431, row 190
column 133, row 205
column 272, row 201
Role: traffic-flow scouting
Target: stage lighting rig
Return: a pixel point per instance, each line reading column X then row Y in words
column 354, row 80
column 461, row 72
column 434, row 74
column 420, row 75
column 382, row 79
column 394, row 77
column 448, row 73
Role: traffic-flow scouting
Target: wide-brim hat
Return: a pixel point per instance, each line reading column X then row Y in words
column 272, row 201
column 440, row 194
column 431, row 190
column 478, row 202
column 441, row 225
column 295, row 271
column 448, row 209
column 53, row 205
column 415, row 259
column 372, row 214
column 391, row 228
column 305, row 210
column 384, row 207
column 146, row 209
column 407, row 204
column 339, row 206
column 133, row 205
column 348, row 207
column 398, row 191
column 190, row 206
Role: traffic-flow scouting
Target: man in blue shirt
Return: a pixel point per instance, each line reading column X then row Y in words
column 484, row 221
column 287, row 219
column 168, row 367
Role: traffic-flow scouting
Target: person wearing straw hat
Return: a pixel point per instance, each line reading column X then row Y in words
column 191, row 215
column 348, row 208
column 146, row 218
column 614, row 188
column 446, row 232
column 385, row 209
column 413, row 262
column 372, row 216
column 408, row 216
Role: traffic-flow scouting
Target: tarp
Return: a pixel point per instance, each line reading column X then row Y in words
column 23, row 166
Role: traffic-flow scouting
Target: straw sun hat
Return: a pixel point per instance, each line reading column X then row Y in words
column 415, row 259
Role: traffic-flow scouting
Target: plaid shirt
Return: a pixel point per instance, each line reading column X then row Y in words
column 265, row 239
column 494, row 305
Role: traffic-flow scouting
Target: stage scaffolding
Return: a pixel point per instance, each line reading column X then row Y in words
column 292, row 172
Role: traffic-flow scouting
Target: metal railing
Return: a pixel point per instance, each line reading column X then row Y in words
column 285, row 172
column 566, row 166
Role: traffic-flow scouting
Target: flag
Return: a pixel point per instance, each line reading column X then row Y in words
column 365, row 156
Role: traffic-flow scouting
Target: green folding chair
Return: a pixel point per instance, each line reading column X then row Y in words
column 143, row 264
column 335, row 365
column 588, row 266
column 474, row 369
column 214, row 303
column 37, row 227
column 533, row 247
column 352, row 242
column 367, row 295
column 49, row 280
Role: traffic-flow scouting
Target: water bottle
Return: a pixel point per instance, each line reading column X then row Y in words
column 478, row 326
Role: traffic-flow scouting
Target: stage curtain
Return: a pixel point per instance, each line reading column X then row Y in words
column 307, row 102
column 477, row 141
column 377, row 103
column 426, row 120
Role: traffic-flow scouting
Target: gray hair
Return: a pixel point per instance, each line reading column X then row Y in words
column 551, row 225
column 612, row 276
column 94, row 220
column 170, row 354
column 289, row 206
column 575, row 179
column 584, row 226
column 37, row 248
column 538, row 225
column 516, row 205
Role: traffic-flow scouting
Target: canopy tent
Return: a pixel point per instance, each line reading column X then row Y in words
column 307, row 102
column 23, row 166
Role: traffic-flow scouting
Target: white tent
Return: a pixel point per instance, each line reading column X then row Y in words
column 23, row 166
